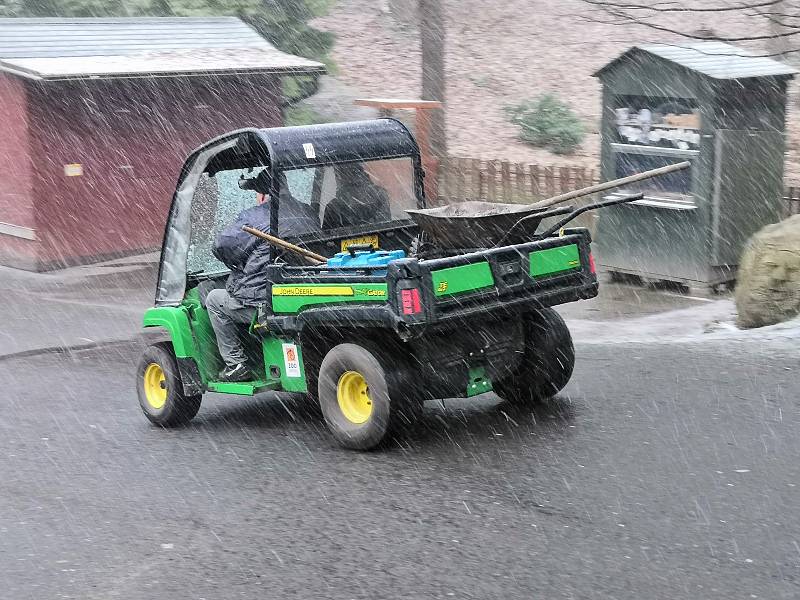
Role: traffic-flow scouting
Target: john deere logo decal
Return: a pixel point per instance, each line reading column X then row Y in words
column 341, row 290
column 442, row 288
column 293, row 298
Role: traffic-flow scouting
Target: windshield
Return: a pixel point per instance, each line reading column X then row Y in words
column 352, row 194
column 217, row 203
column 314, row 202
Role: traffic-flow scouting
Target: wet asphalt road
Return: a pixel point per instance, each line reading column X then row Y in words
column 662, row 471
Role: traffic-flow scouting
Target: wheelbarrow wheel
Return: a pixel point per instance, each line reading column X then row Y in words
column 160, row 389
column 547, row 362
column 361, row 399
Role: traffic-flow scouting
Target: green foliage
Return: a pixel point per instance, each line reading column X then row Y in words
column 72, row 8
column 300, row 114
column 549, row 123
column 198, row 8
column 285, row 24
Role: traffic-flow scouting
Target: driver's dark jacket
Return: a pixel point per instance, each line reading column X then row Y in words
column 248, row 256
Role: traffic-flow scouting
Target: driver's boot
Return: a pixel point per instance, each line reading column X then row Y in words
column 235, row 374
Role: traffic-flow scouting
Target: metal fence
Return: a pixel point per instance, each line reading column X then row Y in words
column 504, row 181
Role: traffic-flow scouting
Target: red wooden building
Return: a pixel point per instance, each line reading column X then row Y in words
column 97, row 115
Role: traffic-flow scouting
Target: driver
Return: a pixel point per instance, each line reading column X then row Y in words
column 358, row 200
column 247, row 257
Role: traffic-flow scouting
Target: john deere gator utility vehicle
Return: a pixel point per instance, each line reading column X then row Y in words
column 411, row 303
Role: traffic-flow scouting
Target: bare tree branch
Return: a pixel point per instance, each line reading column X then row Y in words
column 618, row 11
column 680, row 8
column 627, row 41
column 718, row 38
column 783, row 24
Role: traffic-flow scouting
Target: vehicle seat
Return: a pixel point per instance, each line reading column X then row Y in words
column 358, row 200
column 347, row 210
column 339, row 213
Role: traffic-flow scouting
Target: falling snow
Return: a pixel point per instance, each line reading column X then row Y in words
column 447, row 446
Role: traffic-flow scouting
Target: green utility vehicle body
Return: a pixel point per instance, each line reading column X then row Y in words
column 446, row 324
column 537, row 274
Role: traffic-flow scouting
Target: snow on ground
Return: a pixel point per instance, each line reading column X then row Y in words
column 714, row 321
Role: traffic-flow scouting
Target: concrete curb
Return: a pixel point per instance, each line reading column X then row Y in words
column 70, row 349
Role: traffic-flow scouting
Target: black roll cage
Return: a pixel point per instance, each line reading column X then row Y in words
column 283, row 149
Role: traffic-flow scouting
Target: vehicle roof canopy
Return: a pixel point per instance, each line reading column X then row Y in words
column 309, row 145
column 279, row 149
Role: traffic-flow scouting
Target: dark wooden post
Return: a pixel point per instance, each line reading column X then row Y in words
column 475, row 170
column 536, row 188
column 432, row 46
column 505, row 180
column 460, row 174
column 549, row 182
column 491, row 180
column 564, row 180
column 520, row 189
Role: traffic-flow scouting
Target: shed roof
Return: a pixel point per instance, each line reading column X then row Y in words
column 138, row 47
column 716, row 60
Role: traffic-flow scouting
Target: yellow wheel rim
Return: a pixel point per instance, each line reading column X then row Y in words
column 352, row 393
column 155, row 386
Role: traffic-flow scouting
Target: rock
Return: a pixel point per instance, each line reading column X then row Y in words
column 768, row 284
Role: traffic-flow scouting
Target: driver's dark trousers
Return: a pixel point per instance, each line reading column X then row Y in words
column 227, row 316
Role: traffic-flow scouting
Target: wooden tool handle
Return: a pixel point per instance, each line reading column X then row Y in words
column 601, row 187
column 313, row 257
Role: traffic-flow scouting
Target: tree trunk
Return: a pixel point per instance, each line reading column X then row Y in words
column 432, row 43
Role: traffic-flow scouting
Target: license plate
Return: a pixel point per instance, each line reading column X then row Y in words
column 364, row 239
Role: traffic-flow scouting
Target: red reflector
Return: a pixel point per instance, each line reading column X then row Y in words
column 415, row 298
column 411, row 301
column 592, row 268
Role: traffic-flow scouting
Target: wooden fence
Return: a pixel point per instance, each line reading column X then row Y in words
column 504, row 181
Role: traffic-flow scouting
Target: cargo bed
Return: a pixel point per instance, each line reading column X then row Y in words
column 412, row 295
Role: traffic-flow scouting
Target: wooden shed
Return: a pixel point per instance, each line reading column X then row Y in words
column 97, row 116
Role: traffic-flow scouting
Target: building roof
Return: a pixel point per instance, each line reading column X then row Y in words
column 716, row 60
column 139, row 47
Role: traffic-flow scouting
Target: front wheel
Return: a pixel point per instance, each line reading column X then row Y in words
column 160, row 389
column 355, row 396
column 547, row 362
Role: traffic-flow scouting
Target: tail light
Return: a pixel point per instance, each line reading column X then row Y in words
column 592, row 267
column 410, row 301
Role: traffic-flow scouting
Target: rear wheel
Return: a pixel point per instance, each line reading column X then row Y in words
column 547, row 362
column 160, row 389
column 359, row 398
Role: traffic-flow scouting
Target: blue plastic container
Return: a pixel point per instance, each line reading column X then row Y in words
column 364, row 258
